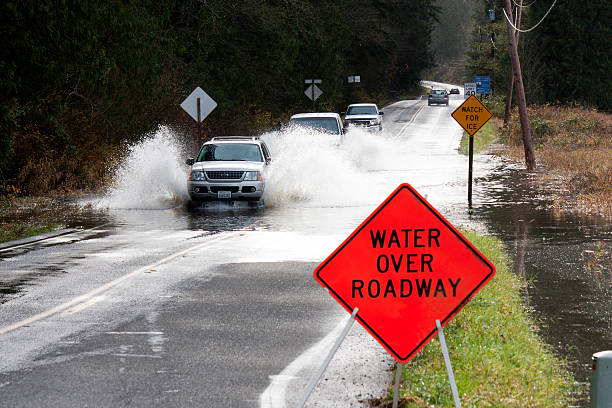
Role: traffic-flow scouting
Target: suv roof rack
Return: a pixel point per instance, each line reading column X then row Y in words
column 235, row 138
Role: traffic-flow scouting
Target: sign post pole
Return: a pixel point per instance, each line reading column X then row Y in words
column 198, row 122
column 449, row 368
column 398, row 375
column 471, row 163
column 313, row 98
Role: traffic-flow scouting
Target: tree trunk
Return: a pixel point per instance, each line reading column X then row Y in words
column 520, row 92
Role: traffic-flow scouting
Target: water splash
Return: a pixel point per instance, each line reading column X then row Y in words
column 309, row 167
column 152, row 175
column 313, row 166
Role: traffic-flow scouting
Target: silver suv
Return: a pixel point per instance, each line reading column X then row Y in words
column 228, row 168
column 437, row 96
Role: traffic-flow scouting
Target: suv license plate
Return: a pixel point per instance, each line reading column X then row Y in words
column 224, row 194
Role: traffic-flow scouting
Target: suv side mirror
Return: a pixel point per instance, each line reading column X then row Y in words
column 381, row 112
column 190, row 162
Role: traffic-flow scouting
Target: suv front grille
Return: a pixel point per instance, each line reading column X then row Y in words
column 224, row 175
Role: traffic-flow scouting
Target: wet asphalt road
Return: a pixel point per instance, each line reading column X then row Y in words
column 169, row 308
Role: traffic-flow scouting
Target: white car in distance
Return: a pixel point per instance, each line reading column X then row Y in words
column 365, row 115
column 228, row 168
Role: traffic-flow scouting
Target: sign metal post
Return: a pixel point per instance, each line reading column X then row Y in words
column 198, row 122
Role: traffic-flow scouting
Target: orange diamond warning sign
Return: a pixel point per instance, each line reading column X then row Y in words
column 404, row 267
column 471, row 115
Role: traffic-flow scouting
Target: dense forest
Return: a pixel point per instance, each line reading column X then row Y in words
column 450, row 40
column 80, row 79
column 565, row 59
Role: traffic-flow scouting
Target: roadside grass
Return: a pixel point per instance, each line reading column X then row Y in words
column 573, row 144
column 17, row 230
column 498, row 358
column 22, row 217
column 482, row 139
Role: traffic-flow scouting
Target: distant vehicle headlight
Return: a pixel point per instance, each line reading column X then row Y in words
column 374, row 122
column 197, row 176
column 253, row 176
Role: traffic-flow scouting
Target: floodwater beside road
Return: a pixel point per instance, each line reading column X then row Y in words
column 565, row 258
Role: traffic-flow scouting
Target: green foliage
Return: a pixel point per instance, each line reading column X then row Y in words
column 488, row 49
column 574, row 47
column 567, row 58
column 78, row 78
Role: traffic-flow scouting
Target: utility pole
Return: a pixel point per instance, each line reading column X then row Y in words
column 517, row 23
column 520, row 90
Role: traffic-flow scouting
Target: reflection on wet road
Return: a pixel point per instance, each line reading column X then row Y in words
column 565, row 258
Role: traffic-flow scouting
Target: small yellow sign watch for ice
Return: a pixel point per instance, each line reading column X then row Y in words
column 472, row 115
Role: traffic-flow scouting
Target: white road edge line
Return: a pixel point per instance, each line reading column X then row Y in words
column 8, row 248
column 410, row 122
column 274, row 395
column 110, row 285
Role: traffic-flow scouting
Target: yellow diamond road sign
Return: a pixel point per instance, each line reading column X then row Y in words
column 472, row 115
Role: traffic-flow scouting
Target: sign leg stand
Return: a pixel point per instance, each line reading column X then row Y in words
column 398, row 375
column 317, row 377
column 449, row 369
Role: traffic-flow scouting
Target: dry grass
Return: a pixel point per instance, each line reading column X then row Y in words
column 574, row 145
column 22, row 217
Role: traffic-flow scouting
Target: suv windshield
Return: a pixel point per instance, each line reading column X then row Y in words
column 438, row 92
column 230, row 152
column 325, row 124
column 361, row 110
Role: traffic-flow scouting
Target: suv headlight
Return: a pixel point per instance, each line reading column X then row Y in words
column 253, row 176
column 374, row 122
column 197, row 176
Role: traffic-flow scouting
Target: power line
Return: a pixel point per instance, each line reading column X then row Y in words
column 532, row 28
column 522, row 6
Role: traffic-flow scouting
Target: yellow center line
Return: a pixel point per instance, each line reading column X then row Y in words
column 410, row 122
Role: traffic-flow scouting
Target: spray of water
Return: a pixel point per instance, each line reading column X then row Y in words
column 152, row 175
column 313, row 166
column 309, row 167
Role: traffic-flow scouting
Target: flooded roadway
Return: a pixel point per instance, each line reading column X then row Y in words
column 316, row 196
column 565, row 258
